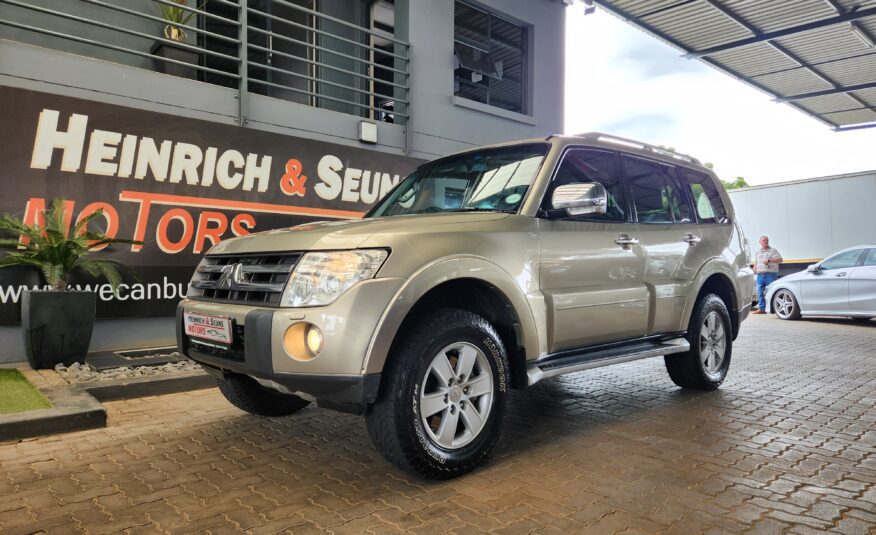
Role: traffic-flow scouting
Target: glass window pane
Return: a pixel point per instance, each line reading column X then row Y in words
column 484, row 180
column 490, row 58
column 655, row 193
column 707, row 200
column 843, row 260
column 586, row 166
column 870, row 259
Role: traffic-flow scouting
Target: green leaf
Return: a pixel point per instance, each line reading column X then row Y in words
column 57, row 254
column 83, row 223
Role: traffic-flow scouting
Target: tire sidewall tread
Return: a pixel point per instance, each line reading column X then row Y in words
column 686, row 369
column 394, row 422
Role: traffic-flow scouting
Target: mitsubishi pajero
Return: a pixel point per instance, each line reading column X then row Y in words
column 480, row 272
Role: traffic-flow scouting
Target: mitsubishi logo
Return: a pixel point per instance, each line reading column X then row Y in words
column 232, row 274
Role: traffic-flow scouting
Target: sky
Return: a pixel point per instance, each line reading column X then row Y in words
column 622, row 81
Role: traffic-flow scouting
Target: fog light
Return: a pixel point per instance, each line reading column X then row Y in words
column 303, row 341
column 314, row 340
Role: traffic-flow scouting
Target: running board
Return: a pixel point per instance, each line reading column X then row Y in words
column 555, row 365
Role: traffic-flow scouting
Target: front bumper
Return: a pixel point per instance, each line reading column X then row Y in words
column 335, row 378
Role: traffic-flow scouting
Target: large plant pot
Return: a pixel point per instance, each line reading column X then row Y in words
column 13, row 280
column 57, row 326
column 184, row 55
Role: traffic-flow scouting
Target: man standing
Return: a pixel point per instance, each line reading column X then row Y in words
column 766, row 265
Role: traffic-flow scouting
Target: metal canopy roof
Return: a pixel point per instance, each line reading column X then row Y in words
column 817, row 55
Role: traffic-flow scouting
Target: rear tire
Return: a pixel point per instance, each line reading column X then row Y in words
column 705, row 366
column 248, row 395
column 441, row 406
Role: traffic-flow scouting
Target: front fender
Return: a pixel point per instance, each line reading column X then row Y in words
column 790, row 286
column 439, row 272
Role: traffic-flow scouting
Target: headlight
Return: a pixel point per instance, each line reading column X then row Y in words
column 320, row 278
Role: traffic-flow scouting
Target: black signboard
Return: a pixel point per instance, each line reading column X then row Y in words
column 179, row 185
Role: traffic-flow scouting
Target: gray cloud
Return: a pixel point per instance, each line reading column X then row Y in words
column 649, row 126
column 653, row 60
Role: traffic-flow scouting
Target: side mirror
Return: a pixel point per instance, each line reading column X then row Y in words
column 814, row 268
column 580, row 198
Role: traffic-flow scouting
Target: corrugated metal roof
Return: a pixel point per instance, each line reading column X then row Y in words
column 817, row 55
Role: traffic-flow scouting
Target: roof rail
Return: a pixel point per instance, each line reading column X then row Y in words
column 599, row 136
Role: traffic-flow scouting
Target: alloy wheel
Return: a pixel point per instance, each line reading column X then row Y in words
column 456, row 395
column 784, row 304
column 713, row 343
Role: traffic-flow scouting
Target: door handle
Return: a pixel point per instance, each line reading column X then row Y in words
column 691, row 239
column 624, row 240
column 841, row 274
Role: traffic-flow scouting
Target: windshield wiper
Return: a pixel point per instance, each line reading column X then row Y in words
column 475, row 209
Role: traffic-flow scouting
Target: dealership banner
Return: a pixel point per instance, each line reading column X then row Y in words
column 178, row 185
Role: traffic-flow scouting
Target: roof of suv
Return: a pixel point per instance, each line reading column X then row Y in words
column 612, row 142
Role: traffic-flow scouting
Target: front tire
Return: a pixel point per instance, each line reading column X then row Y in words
column 705, row 366
column 247, row 395
column 785, row 305
column 441, row 407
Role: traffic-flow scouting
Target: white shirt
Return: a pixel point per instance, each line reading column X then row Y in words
column 761, row 260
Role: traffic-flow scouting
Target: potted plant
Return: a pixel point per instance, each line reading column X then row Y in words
column 177, row 18
column 57, row 322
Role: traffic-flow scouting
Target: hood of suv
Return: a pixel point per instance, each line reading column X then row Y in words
column 349, row 234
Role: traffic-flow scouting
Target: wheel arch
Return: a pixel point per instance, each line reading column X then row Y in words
column 467, row 283
column 717, row 279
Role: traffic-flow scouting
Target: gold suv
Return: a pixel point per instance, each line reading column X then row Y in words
column 483, row 271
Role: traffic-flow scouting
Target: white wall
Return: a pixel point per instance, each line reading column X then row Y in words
column 810, row 219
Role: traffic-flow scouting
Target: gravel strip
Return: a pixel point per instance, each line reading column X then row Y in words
column 85, row 373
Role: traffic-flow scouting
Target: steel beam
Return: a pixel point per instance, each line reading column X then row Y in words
column 835, row 91
column 854, row 127
column 769, row 36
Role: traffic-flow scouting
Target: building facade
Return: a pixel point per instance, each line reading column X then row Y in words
column 190, row 122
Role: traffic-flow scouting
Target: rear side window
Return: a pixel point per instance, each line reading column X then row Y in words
column 707, row 201
column 656, row 192
column 870, row 259
column 590, row 165
column 842, row 260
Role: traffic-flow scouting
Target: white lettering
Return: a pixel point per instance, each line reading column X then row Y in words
column 331, row 184
column 157, row 160
column 186, row 160
column 209, row 166
column 101, row 148
column 106, row 292
column 254, row 170
column 387, row 183
column 48, row 138
column 137, row 293
column 370, row 189
column 351, row 185
column 126, row 158
column 226, row 180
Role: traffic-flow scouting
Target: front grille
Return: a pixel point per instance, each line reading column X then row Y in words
column 243, row 278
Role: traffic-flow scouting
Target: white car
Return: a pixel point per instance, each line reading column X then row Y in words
column 842, row 285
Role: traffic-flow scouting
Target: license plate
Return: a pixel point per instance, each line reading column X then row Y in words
column 215, row 328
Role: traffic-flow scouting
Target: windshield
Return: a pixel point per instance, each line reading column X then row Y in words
column 487, row 180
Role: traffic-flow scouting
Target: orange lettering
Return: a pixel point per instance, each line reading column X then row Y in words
column 164, row 242
column 205, row 231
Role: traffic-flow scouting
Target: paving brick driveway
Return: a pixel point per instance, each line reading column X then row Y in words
column 787, row 445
